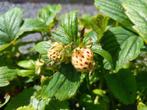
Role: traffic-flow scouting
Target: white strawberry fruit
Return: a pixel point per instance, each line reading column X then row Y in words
column 55, row 53
column 82, row 59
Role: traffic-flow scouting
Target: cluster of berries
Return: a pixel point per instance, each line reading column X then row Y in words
column 81, row 58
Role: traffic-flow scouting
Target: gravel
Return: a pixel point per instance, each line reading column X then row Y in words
column 30, row 8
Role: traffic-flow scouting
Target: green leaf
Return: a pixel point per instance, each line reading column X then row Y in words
column 25, row 73
column 105, row 54
column 141, row 106
column 113, row 9
column 137, row 12
column 63, row 85
column 4, row 46
column 49, row 104
column 41, row 24
column 90, row 38
column 68, row 30
column 98, row 24
column 123, row 86
column 86, row 20
column 25, row 108
column 6, row 75
column 99, row 92
column 57, row 105
column 39, row 104
column 60, row 36
column 99, row 103
column 48, row 13
column 29, row 68
column 33, row 25
column 20, row 100
column 42, row 47
column 27, row 64
column 123, row 45
column 141, row 79
column 130, row 51
column 10, row 23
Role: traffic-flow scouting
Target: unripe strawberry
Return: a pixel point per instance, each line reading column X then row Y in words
column 55, row 53
column 82, row 59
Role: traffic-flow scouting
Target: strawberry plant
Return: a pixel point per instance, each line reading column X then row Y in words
column 81, row 63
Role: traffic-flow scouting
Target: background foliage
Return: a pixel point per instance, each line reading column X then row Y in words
column 117, row 36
